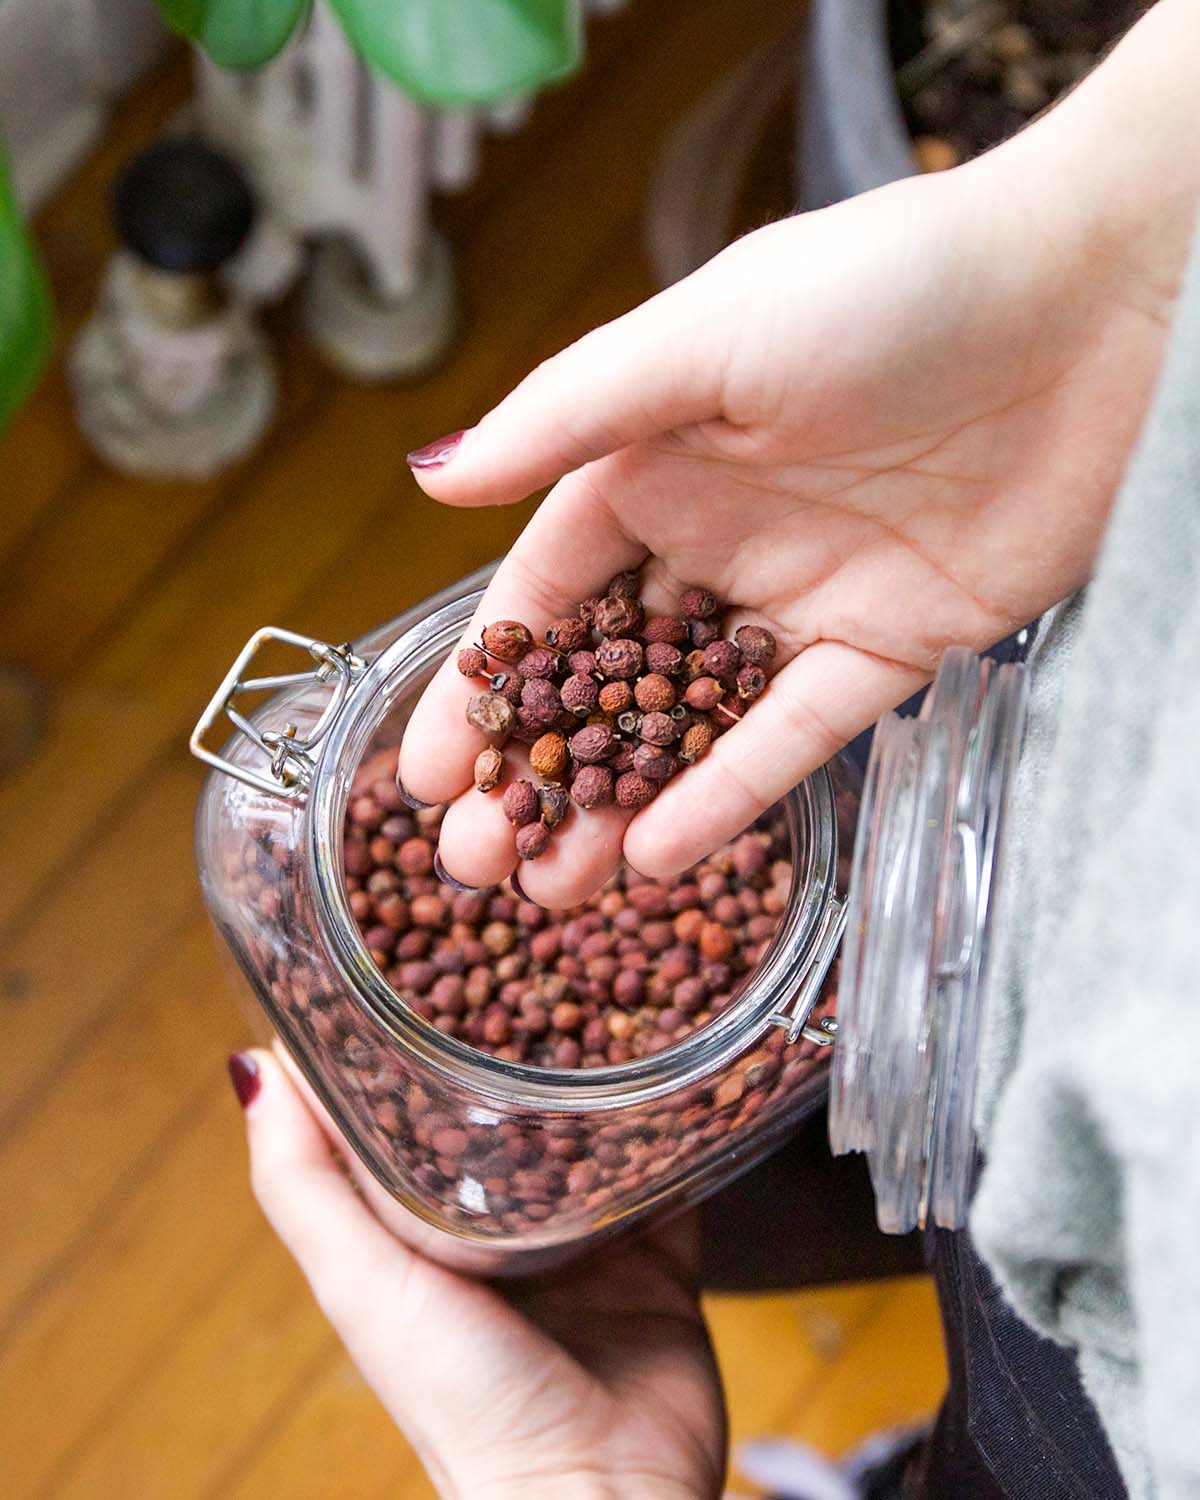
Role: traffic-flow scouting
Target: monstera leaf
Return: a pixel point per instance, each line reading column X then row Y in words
column 237, row 33
column 456, row 52
column 24, row 305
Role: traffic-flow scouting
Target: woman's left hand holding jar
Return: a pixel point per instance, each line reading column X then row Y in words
column 595, row 1383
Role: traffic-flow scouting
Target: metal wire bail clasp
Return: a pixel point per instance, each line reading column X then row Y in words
column 289, row 755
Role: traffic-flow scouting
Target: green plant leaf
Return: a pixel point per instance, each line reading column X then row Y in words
column 237, row 33
column 24, row 305
column 456, row 52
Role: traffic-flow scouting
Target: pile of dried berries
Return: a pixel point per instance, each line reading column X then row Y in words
column 611, row 702
column 637, row 968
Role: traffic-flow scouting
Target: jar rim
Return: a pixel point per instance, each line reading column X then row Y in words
column 428, row 634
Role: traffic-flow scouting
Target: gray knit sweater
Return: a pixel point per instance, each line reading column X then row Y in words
column 1088, row 1211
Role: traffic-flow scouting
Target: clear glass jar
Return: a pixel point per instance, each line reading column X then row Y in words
column 497, row 1166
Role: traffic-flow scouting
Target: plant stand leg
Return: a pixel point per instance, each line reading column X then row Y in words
column 368, row 336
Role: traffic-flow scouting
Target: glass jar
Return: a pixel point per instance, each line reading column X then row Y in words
column 500, row 1167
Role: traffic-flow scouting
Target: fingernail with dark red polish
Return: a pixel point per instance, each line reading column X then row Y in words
column 409, row 800
column 434, row 455
column 444, row 875
column 519, row 890
column 246, row 1078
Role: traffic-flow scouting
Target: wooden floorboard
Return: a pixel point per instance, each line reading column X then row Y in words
column 155, row 1341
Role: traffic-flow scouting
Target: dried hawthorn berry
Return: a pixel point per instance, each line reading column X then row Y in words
column 521, row 803
column 508, row 685
column 698, row 604
column 662, row 657
column 620, row 658
column 756, row 644
column 616, row 617
column 659, row 729
column 587, row 609
column 592, row 743
column 539, row 662
column 533, row 840
column 750, row 682
column 489, row 769
column 654, row 763
column 582, row 663
column 507, row 639
column 667, row 628
column 655, row 694
column 580, row 694
column 616, row 697
column 696, row 740
column 634, row 791
column 491, row 715
column 553, row 802
column 567, row 634
column 593, row 786
column 621, row 759
column 549, row 756
column 542, row 699
column 702, row 633
column 624, row 586
column 704, row 693
column 728, row 711
column 693, row 666
column 472, row 662
column 722, row 660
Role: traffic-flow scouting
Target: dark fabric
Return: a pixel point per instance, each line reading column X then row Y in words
column 1015, row 1423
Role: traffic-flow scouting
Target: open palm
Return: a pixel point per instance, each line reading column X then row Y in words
column 881, row 429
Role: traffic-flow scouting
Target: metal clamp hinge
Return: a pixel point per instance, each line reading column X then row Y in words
column 795, row 1019
column 290, row 758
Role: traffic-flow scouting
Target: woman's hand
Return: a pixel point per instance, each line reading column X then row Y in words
column 597, row 1383
column 880, row 429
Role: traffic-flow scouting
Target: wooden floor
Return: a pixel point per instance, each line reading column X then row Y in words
column 155, row 1343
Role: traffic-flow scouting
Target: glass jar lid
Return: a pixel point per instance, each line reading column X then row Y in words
column 917, row 950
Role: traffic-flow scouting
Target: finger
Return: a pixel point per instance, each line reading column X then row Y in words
column 812, row 708
column 570, row 548
column 623, row 383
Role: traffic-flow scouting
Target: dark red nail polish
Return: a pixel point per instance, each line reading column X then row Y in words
column 410, row 801
column 444, row 875
column 246, row 1078
column 440, row 451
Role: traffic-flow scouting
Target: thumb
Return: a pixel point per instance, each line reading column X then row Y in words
column 650, row 371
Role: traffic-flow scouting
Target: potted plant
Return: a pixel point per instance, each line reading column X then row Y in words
column 894, row 87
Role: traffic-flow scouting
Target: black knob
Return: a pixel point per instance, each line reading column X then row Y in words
column 181, row 206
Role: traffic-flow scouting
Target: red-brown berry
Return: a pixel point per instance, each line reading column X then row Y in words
column 618, row 617
column 553, row 801
column 655, row 694
column 508, row 685
column 580, row 694
column 592, row 743
column 507, row 639
column 549, row 756
column 472, row 662
column 728, row 711
column 750, row 682
column 489, row 769
column 697, row 738
column 634, row 791
column 616, row 697
column 702, row 633
column 698, row 604
column 624, row 586
column 654, row 763
column 582, row 663
column 491, row 715
column 704, row 693
column 539, row 662
column 620, row 658
column 587, row 609
column 521, row 803
column 662, row 657
column 756, row 644
column 541, row 698
column 667, row 628
column 593, row 786
column 621, row 759
column 722, row 660
column 533, row 840
column 567, row 634
column 659, row 729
